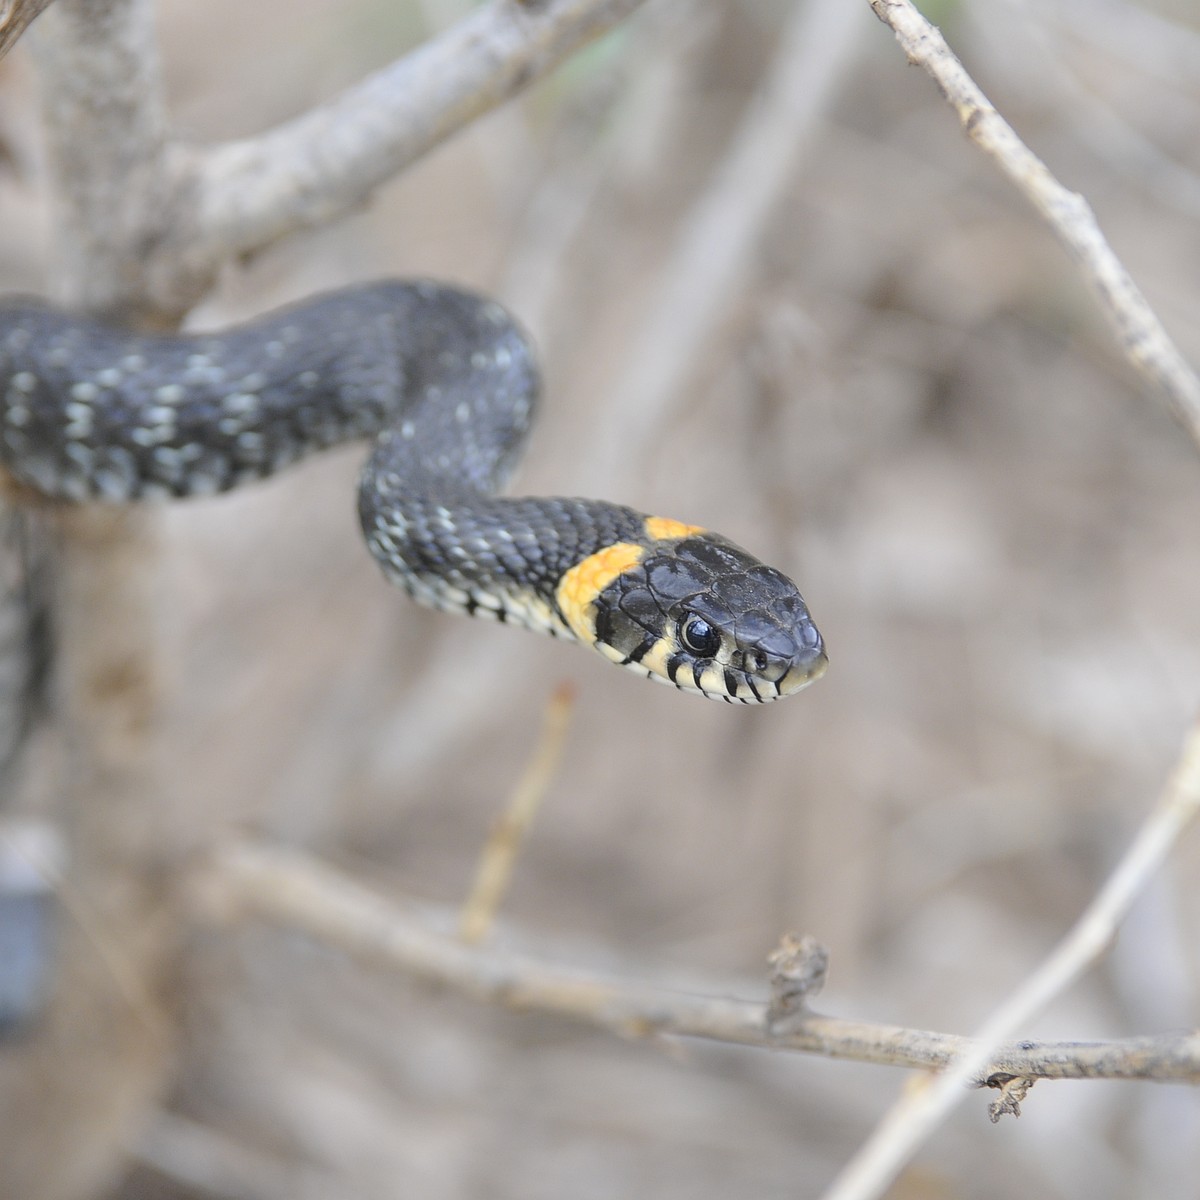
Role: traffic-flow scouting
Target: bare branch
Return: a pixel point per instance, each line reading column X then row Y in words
column 241, row 196
column 297, row 892
column 1145, row 342
column 919, row 1111
column 15, row 16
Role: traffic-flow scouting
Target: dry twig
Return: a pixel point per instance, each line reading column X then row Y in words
column 294, row 890
column 919, row 1111
column 1145, row 342
column 100, row 1052
column 500, row 851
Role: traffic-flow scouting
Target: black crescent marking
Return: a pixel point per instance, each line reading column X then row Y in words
column 673, row 664
column 641, row 651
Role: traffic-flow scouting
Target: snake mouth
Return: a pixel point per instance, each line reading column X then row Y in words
column 715, row 682
column 804, row 670
column 804, row 673
column 751, row 690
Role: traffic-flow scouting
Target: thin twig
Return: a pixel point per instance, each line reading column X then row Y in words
column 15, row 16
column 499, row 855
column 919, row 1110
column 287, row 888
column 1145, row 342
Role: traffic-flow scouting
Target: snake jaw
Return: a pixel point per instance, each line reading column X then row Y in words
column 726, row 684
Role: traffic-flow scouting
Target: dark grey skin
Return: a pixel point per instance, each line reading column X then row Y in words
column 446, row 384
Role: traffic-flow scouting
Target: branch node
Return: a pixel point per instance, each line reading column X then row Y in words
column 1013, row 1089
column 798, row 968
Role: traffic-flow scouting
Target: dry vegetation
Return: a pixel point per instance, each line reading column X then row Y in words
column 868, row 360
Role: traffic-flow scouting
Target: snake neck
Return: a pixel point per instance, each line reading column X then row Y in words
column 458, row 548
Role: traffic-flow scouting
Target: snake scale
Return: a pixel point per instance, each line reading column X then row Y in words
column 446, row 384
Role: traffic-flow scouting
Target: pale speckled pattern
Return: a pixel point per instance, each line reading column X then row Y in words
column 445, row 381
column 90, row 411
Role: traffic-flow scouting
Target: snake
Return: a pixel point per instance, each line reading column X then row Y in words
column 445, row 384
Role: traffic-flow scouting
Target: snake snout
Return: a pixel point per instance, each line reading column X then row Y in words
column 778, row 644
column 807, row 664
column 789, row 658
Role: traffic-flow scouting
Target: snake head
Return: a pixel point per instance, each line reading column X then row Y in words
column 702, row 614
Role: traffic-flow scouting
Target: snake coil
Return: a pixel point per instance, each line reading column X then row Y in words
column 446, row 384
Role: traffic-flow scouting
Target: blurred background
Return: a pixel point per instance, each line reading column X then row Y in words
column 795, row 305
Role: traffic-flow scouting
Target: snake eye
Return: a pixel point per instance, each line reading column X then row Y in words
column 699, row 636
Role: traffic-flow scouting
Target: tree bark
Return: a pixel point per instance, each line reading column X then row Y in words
column 74, row 1093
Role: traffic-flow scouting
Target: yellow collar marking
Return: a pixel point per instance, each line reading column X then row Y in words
column 577, row 590
column 582, row 584
column 661, row 528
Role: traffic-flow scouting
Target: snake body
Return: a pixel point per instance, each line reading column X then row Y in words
column 446, row 384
